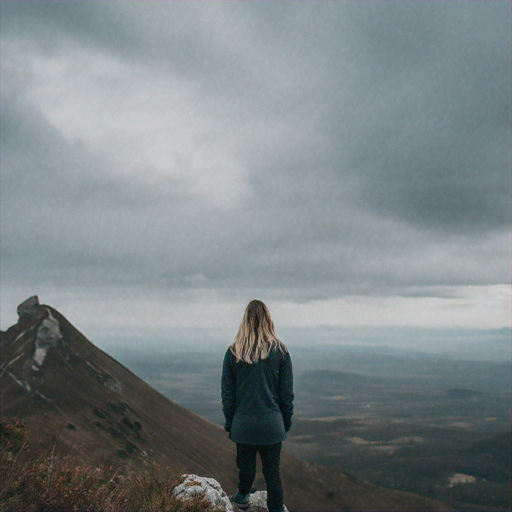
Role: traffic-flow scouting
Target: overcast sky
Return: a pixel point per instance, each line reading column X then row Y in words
column 349, row 163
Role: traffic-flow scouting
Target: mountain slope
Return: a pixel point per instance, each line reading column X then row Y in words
column 77, row 400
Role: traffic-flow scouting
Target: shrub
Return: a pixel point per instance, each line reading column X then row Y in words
column 50, row 483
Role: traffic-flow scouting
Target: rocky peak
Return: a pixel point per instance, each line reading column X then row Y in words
column 28, row 309
column 32, row 315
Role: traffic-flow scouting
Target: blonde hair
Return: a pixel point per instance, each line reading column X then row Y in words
column 256, row 336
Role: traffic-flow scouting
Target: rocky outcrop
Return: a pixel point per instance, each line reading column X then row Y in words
column 47, row 336
column 28, row 309
column 258, row 502
column 48, row 332
column 209, row 489
column 104, row 378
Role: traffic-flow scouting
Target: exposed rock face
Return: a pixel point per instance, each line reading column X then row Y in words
column 104, row 378
column 210, row 489
column 28, row 308
column 48, row 334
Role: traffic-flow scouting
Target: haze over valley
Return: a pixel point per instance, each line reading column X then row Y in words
column 433, row 424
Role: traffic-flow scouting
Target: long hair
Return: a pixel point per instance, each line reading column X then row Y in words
column 256, row 336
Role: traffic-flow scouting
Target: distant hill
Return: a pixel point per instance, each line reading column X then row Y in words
column 79, row 401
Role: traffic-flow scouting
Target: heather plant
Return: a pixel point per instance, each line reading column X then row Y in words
column 49, row 483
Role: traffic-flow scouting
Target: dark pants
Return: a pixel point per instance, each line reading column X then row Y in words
column 246, row 463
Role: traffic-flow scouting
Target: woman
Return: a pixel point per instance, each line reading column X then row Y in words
column 257, row 400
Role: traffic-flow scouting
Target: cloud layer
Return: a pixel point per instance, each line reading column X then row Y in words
column 294, row 151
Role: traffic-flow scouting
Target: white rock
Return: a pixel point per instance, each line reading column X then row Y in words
column 210, row 489
column 47, row 336
column 207, row 488
column 48, row 333
column 258, row 500
column 461, row 478
column 39, row 355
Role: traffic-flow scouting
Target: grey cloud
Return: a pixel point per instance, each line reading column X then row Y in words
column 378, row 161
column 142, row 32
column 422, row 133
column 38, row 162
column 432, row 143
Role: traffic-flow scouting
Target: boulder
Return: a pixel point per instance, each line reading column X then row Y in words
column 258, row 502
column 28, row 309
column 208, row 488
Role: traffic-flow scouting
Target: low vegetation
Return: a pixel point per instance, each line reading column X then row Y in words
column 51, row 483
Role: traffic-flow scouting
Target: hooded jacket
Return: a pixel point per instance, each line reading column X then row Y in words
column 257, row 398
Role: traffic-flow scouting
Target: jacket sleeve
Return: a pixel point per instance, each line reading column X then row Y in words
column 286, row 395
column 228, row 391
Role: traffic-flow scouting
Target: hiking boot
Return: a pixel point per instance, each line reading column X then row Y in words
column 240, row 500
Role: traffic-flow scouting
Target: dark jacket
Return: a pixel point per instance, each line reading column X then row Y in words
column 257, row 399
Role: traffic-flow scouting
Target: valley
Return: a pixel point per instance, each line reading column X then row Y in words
column 432, row 425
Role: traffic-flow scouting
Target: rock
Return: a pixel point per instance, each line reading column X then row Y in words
column 48, row 334
column 461, row 478
column 258, row 502
column 207, row 488
column 28, row 309
column 210, row 489
column 104, row 378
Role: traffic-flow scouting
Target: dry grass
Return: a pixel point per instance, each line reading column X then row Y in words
column 51, row 483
